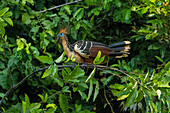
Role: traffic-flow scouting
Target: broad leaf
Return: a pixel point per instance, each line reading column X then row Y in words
column 3, row 11
column 48, row 71
column 77, row 72
column 117, row 86
column 63, row 102
column 45, row 59
column 132, row 97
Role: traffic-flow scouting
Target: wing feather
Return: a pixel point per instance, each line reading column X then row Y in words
column 88, row 49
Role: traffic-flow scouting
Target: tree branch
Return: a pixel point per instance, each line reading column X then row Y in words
column 15, row 86
column 61, row 67
column 60, row 6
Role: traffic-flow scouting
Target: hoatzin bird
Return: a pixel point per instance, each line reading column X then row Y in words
column 86, row 51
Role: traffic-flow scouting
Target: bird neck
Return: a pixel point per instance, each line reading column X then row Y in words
column 66, row 44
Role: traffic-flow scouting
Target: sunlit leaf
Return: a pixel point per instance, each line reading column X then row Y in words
column 160, row 59
column 3, row 11
column 20, row 45
column 91, row 75
column 123, row 97
column 48, row 72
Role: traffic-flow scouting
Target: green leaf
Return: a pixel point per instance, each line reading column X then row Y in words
column 2, row 94
column 108, row 37
column 20, row 44
column 65, row 89
column 30, row 1
column 10, row 22
column 27, row 48
column 126, row 14
column 42, row 98
column 46, row 97
column 77, row 72
column 34, row 51
column 117, row 86
column 164, row 84
column 51, row 32
column 47, row 24
column 122, row 97
column 140, row 96
column 90, row 90
column 45, row 59
column 160, row 59
column 67, row 8
column 27, row 101
column 118, row 3
column 83, row 95
column 98, row 60
column 48, row 71
column 80, row 15
column 144, row 10
column 91, row 75
column 1, row 49
column 35, row 29
column 59, row 59
column 51, row 106
column 23, row 106
column 96, row 92
column 78, row 107
column 8, row 14
column 26, row 18
column 167, row 66
column 63, row 102
column 2, row 30
column 3, row 11
column 132, row 97
column 59, row 81
column 34, row 106
column 77, row 12
column 74, row 33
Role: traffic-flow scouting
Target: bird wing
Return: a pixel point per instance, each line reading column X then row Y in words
column 89, row 49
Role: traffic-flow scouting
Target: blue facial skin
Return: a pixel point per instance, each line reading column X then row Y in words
column 60, row 35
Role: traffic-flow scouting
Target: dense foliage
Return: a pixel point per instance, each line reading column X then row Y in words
column 138, row 83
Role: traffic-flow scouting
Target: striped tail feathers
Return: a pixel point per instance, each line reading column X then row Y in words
column 121, row 49
column 120, row 44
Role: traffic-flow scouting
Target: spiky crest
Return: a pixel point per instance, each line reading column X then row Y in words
column 64, row 30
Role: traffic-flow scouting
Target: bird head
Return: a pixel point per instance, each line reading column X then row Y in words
column 62, row 33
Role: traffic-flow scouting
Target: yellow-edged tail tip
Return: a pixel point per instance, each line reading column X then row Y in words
column 127, row 42
column 124, row 55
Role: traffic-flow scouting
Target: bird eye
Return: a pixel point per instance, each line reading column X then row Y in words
column 61, row 33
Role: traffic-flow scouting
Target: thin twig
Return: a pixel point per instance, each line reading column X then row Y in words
column 108, row 101
column 60, row 6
